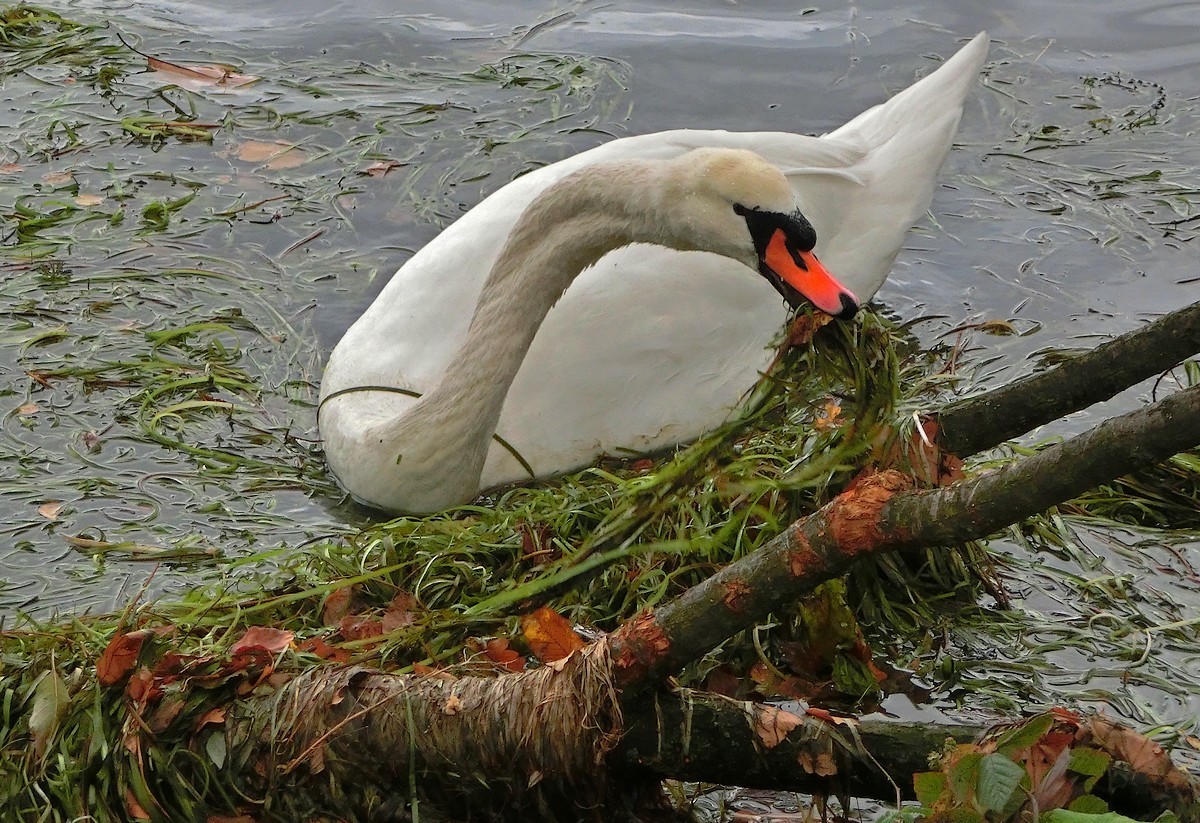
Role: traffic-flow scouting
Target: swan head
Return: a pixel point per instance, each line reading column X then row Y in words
column 743, row 207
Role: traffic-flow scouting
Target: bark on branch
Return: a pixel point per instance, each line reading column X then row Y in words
column 882, row 513
column 979, row 423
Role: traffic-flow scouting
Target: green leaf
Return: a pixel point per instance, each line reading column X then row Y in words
column 965, row 776
column 50, row 702
column 1091, row 763
column 1025, row 735
column 1089, row 804
column 999, row 779
column 928, row 787
column 216, row 749
column 1065, row 816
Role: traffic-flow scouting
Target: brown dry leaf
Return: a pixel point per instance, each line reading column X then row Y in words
column 9, row 168
column 325, row 651
column 400, row 612
column 220, row 818
column 120, row 656
column 825, row 767
column 770, row 683
column 772, row 725
column 549, row 635
column 40, row 377
column 28, row 409
column 50, row 509
column 210, row 75
column 359, row 627
column 263, row 637
column 141, row 688
column 165, row 712
column 453, row 705
column 57, row 178
column 423, row 670
column 498, row 652
column 277, row 155
column 136, row 812
column 89, row 200
column 337, row 605
column 381, row 167
column 213, row 717
column 1141, row 753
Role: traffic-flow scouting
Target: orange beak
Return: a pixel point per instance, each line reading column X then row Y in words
column 804, row 273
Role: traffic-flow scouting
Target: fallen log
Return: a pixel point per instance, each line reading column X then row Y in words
column 552, row 727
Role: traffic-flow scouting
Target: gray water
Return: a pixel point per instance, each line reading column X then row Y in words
column 1083, row 239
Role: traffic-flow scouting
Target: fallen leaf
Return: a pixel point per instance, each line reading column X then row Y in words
column 50, row 509
column 549, row 635
column 825, row 766
column 498, row 652
column 828, row 414
column 277, row 155
column 381, row 168
column 89, row 200
column 136, row 812
column 643, row 465
column 120, row 656
column 359, row 627
column 325, row 651
column 212, row 717
column 28, row 409
column 50, row 700
column 165, row 712
column 772, row 725
column 337, row 605
column 91, row 441
column 241, row 818
column 400, row 612
column 453, row 705
column 56, row 178
column 141, row 688
column 263, row 637
column 211, row 75
column 9, row 168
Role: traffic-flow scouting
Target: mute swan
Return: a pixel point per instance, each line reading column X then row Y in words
column 667, row 322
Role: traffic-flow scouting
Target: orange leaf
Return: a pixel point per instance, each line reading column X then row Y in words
column 28, row 409
column 828, row 414
column 318, row 646
column 213, row 717
column 498, row 652
column 136, row 812
column 89, row 200
column 55, row 178
column 9, row 168
column 263, row 637
column 120, row 656
column 772, row 724
column 549, row 635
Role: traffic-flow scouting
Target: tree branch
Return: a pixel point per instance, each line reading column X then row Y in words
column 979, row 423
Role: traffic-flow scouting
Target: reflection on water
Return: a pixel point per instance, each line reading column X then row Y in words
column 1069, row 209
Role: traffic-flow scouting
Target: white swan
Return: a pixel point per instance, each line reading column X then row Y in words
column 666, row 323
